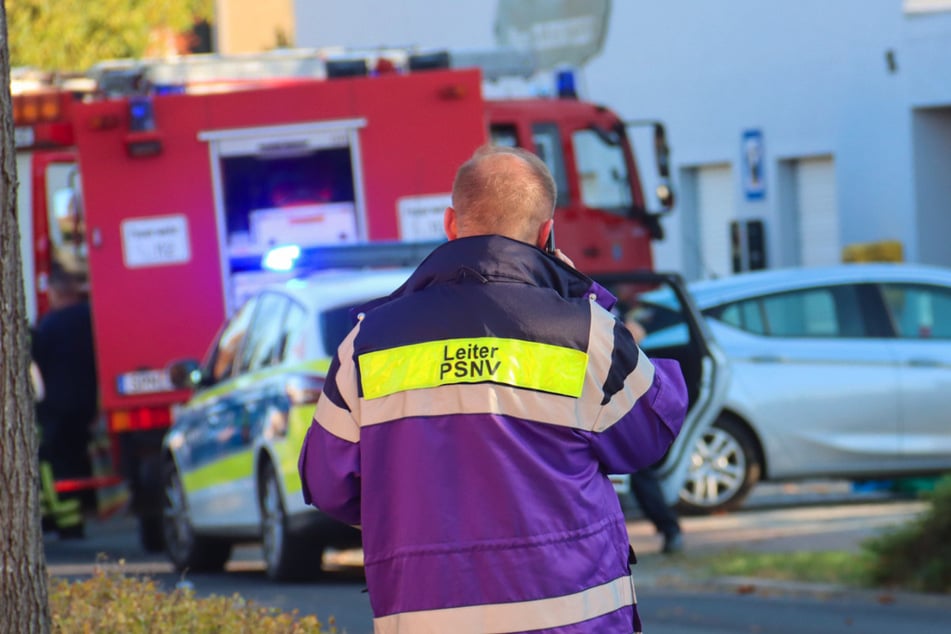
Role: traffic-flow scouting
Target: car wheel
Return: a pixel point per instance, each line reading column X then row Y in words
column 287, row 557
column 186, row 549
column 724, row 467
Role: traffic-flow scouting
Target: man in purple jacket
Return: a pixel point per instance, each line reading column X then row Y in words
column 470, row 419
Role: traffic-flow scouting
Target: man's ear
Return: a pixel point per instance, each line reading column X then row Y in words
column 543, row 232
column 449, row 223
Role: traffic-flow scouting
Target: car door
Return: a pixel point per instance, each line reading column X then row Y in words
column 674, row 329
column 256, row 388
column 820, row 390
column 205, row 417
column 921, row 316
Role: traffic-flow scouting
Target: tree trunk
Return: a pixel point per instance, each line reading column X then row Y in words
column 24, row 605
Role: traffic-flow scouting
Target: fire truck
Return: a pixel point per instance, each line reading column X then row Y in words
column 170, row 186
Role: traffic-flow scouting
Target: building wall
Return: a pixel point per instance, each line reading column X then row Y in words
column 252, row 26
column 834, row 83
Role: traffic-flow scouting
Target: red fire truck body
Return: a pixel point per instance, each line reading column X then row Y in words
column 183, row 194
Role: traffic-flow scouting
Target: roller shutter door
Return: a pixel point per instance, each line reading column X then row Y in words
column 818, row 212
column 715, row 209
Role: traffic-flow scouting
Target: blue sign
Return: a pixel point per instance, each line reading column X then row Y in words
column 753, row 157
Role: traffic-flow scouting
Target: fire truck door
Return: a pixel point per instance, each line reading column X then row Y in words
column 284, row 185
column 58, row 223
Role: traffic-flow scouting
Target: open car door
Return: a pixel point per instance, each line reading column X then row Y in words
column 673, row 329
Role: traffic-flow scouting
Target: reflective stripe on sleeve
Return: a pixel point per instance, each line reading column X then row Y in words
column 335, row 419
column 523, row 364
column 601, row 346
column 515, row 617
column 635, row 385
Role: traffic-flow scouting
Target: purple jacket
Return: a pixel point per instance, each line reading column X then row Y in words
column 468, row 424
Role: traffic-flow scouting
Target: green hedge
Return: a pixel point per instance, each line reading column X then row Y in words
column 917, row 556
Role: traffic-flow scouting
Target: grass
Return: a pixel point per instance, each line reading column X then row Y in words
column 831, row 567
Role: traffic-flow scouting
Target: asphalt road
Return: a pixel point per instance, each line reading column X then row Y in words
column 671, row 602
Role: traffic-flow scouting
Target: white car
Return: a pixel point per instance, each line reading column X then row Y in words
column 842, row 371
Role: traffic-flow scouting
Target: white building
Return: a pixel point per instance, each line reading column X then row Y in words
column 827, row 121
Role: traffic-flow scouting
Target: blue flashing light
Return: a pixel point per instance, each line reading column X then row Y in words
column 168, row 89
column 281, row 258
column 141, row 115
column 565, row 83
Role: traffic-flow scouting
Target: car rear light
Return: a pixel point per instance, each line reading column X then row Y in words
column 139, row 419
column 304, row 389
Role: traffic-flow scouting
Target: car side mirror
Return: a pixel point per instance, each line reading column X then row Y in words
column 186, row 374
column 665, row 194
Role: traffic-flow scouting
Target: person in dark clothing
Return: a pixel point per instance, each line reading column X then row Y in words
column 62, row 348
column 645, row 486
column 647, row 492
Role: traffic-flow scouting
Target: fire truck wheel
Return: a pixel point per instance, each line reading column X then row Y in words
column 185, row 549
column 287, row 557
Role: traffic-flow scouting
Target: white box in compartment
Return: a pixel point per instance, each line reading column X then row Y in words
column 304, row 225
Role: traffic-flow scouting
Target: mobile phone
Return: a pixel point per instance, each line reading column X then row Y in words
column 550, row 244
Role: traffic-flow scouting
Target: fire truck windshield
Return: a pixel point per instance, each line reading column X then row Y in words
column 67, row 225
column 602, row 172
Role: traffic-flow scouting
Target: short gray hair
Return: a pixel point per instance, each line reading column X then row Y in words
column 504, row 190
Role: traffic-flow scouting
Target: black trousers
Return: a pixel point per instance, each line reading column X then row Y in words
column 646, row 490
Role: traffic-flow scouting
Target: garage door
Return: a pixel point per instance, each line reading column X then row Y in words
column 818, row 212
column 715, row 210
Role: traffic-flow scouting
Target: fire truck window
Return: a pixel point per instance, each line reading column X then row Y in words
column 548, row 147
column 67, row 225
column 602, row 172
column 262, row 347
column 293, row 341
column 305, row 199
column 504, row 135
column 222, row 361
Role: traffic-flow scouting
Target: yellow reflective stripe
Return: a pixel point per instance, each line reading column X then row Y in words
column 524, row 364
column 236, row 466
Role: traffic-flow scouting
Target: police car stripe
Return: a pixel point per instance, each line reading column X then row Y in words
column 520, row 616
column 237, row 466
column 525, row 364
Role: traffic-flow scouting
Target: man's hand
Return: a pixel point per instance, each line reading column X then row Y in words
column 637, row 330
column 559, row 254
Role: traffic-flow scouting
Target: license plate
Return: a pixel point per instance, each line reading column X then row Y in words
column 144, row 382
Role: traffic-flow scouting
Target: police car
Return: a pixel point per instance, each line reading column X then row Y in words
column 230, row 466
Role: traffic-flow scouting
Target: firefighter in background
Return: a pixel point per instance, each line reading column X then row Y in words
column 62, row 349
